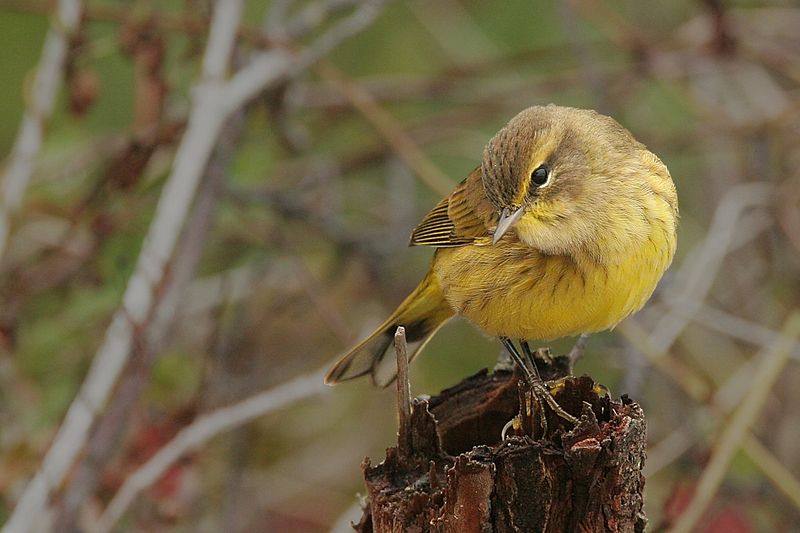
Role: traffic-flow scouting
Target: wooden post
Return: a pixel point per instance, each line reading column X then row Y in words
column 458, row 476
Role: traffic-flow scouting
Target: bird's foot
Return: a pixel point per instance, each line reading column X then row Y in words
column 541, row 391
column 544, row 391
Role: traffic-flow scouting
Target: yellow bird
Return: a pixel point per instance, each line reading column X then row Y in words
column 564, row 229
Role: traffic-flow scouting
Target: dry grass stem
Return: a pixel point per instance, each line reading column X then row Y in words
column 389, row 129
column 729, row 441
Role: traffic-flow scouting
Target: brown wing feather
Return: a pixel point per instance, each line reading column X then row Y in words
column 458, row 219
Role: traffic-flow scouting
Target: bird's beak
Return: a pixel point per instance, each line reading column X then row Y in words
column 507, row 219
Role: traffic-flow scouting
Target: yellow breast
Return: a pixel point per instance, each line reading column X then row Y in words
column 514, row 290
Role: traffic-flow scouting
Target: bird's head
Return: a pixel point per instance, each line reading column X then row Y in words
column 563, row 178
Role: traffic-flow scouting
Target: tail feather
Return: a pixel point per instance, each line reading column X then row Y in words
column 422, row 313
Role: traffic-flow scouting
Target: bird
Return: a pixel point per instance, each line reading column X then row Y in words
column 564, row 229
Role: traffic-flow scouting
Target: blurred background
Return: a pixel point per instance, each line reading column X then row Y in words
column 294, row 245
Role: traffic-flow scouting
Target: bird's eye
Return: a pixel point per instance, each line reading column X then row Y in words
column 540, row 176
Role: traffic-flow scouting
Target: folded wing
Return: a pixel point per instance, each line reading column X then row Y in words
column 459, row 219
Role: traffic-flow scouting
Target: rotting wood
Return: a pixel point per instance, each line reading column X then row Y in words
column 460, row 477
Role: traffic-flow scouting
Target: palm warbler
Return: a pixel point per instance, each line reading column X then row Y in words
column 565, row 228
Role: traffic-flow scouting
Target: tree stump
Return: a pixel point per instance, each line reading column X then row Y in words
column 454, row 474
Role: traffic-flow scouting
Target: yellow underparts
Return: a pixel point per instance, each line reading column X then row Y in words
column 512, row 289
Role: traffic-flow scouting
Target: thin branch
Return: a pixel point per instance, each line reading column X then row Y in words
column 313, row 14
column 150, row 342
column 317, row 295
column 214, row 100
column 201, row 431
column 775, row 470
column 458, row 33
column 221, row 39
column 633, row 332
column 389, row 129
column 669, row 449
column 738, row 328
column 46, row 83
column 731, row 437
column 713, row 407
column 233, row 285
column 364, row 14
column 577, row 351
column 275, row 19
column 700, row 270
column 788, row 212
column 194, row 151
column 274, row 65
column 723, row 401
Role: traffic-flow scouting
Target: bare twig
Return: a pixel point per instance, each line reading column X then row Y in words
column 275, row 19
column 317, row 294
column 190, row 248
column 724, row 400
column 274, row 65
column 235, row 284
column 404, row 444
column 738, row 328
column 204, row 125
column 46, row 83
column 214, row 100
column 698, row 274
column 389, row 128
column 577, row 350
column 788, row 212
column 313, row 14
column 731, row 437
column 669, row 449
column 291, row 206
column 695, row 387
column 457, row 32
column 699, row 391
column 200, row 432
column 700, row 270
column 774, row 469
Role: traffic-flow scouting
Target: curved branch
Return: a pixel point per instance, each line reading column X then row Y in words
column 201, row 431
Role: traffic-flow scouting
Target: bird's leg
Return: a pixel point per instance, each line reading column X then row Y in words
column 526, row 349
column 577, row 350
column 540, row 384
column 512, row 351
column 532, row 378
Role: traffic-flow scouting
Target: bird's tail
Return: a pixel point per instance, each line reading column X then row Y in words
column 421, row 313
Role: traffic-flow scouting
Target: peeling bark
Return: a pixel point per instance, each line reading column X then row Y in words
column 459, row 477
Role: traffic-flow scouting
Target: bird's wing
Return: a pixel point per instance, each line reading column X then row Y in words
column 459, row 219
